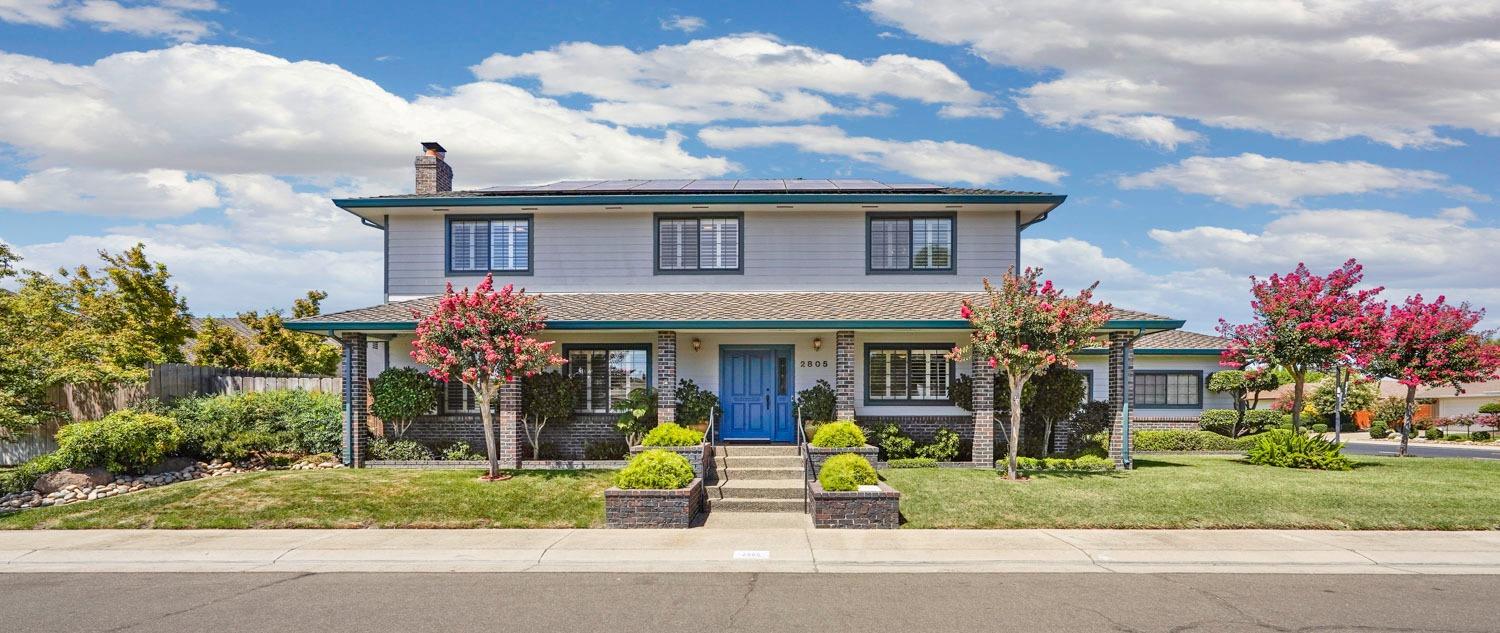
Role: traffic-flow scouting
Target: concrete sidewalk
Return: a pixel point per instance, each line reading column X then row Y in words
column 752, row 550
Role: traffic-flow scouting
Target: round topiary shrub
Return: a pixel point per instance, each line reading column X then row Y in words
column 655, row 470
column 400, row 394
column 124, row 441
column 1480, row 436
column 672, row 434
column 1433, row 433
column 1320, row 428
column 846, row 473
column 1379, row 431
column 839, row 435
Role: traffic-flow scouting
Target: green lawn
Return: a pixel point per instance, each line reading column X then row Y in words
column 344, row 499
column 1212, row 492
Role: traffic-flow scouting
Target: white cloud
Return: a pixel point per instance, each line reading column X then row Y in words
column 940, row 161
column 1255, row 179
column 268, row 210
column 155, row 193
column 684, row 23
column 741, row 77
column 131, row 112
column 1198, row 296
column 166, row 18
column 1393, row 71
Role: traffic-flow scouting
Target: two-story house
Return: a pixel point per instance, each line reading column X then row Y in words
column 752, row 289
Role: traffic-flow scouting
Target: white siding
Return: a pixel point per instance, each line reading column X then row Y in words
column 612, row 251
column 1099, row 364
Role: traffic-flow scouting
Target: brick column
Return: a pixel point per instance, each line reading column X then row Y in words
column 984, row 411
column 1121, row 377
column 356, row 398
column 843, row 375
column 510, row 443
column 666, row 376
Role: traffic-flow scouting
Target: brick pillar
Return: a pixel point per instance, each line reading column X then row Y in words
column 510, row 442
column 843, row 375
column 666, row 376
column 356, row 398
column 984, row 411
column 1121, row 377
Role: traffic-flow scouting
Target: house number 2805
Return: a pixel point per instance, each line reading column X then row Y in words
column 813, row 363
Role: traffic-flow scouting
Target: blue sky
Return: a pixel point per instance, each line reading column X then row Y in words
column 1197, row 145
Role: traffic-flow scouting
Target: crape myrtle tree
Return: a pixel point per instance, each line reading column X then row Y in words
column 1025, row 327
column 1303, row 323
column 484, row 339
column 1433, row 344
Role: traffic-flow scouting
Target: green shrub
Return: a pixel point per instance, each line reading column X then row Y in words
column 24, row 476
column 1175, row 440
column 655, row 469
column 914, row 462
column 818, row 402
column 460, row 452
column 1481, row 436
column 1093, row 463
column 1057, row 463
column 1022, row 463
column 1320, row 428
column 893, row 442
column 124, row 441
column 1221, row 421
column 1433, row 433
column 1490, row 407
column 400, row 394
column 605, row 450
column 944, row 446
column 846, row 472
column 236, row 426
column 671, row 434
column 386, row 449
column 1379, row 431
column 1243, row 443
column 1285, row 426
column 695, row 404
column 839, row 435
column 1295, row 450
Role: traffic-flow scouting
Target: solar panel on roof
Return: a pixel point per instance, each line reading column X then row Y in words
column 661, row 185
column 913, row 186
column 760, row 185
column 818, row 184
column 859, row 185
column 568, row 185
column 508, row 188
column 611, row 185
column 710, row 185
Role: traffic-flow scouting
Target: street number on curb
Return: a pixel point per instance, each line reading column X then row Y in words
column 748, row 554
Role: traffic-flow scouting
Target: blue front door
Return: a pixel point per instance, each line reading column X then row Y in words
column 756, row 383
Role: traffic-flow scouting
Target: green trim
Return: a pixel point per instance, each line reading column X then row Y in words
column 1155, row 351
column 739, row 198
column 869, row 324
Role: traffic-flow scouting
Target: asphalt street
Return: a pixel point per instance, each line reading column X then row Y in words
column 662, row 603
column 1421, row 450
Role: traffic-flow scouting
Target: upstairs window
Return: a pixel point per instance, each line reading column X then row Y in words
column 911, row 243
column 907, row 374
column 1168, row 389
column 608, row 373
column 478, row 245
column 698, row 244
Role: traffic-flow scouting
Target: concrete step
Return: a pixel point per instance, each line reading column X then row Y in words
column 755, row 505
column 757, row 461
column 739, row 474
column 759, row 489
column 756, row 450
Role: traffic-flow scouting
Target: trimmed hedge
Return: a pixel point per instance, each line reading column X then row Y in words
column 1221, row 421
column 913, row 462
column 1289, row 449
column 655, row 469
column 123, row 441
column 839, row 435
column 1086, row 463
column 846, row 472
column 1176, row 440
column 672, row 434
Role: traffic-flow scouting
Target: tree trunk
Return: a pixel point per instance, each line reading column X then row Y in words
column 1047, row 439
column 1411, row 406
column 1015, row 426
column 1239, row 415
column 536, row 438
column 482, row 392
column 1299, row 380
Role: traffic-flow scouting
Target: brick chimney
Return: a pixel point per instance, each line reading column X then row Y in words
column 433, row 173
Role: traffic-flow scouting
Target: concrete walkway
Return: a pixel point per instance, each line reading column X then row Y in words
column 752, row 550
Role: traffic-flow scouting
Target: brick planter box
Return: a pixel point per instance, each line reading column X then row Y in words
column 698, row 455
column 653, row 508
column 855, row 510
column 816, row 456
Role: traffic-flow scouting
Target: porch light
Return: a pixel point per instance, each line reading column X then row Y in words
column 697, row 344
column 817, row 343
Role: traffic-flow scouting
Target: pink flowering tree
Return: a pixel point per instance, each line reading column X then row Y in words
column 483, row 339
column 1025, row 327
column 1434, row 344
column 1304, row 322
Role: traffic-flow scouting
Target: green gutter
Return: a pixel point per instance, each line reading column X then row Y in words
column 720, row 198
column 872, row 324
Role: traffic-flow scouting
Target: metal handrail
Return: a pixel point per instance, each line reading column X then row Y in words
column 797, row 420
column 711, row 419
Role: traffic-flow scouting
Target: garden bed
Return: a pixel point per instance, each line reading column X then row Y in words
column 699, row 455
column 654, row 508
column 873, row 509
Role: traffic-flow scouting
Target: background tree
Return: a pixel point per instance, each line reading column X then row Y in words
column 546, row 397
column 1245, row 386
column 218, row 345
column 134, row 298
column 1433, row 344
column 1302, row 323
column 276, row 348
column 400, row 394
column 1360, row 394
column 484, row 338
column 1023, row 328
column 1047, row 399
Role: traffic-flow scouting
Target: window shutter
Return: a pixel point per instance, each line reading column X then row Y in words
column 890, row 244
column 677, row 244
column 469, row 244
column 719, row 240
column 933, row 240
column 510, row 244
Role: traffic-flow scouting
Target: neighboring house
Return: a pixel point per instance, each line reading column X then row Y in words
column 753, row 289
column 1447, row 402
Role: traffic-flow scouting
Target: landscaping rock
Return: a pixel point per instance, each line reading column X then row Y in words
column 86, row 478
column 173, row 464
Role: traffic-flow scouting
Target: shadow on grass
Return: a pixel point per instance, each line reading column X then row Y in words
column 1138, row 464
column 1074, row 474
